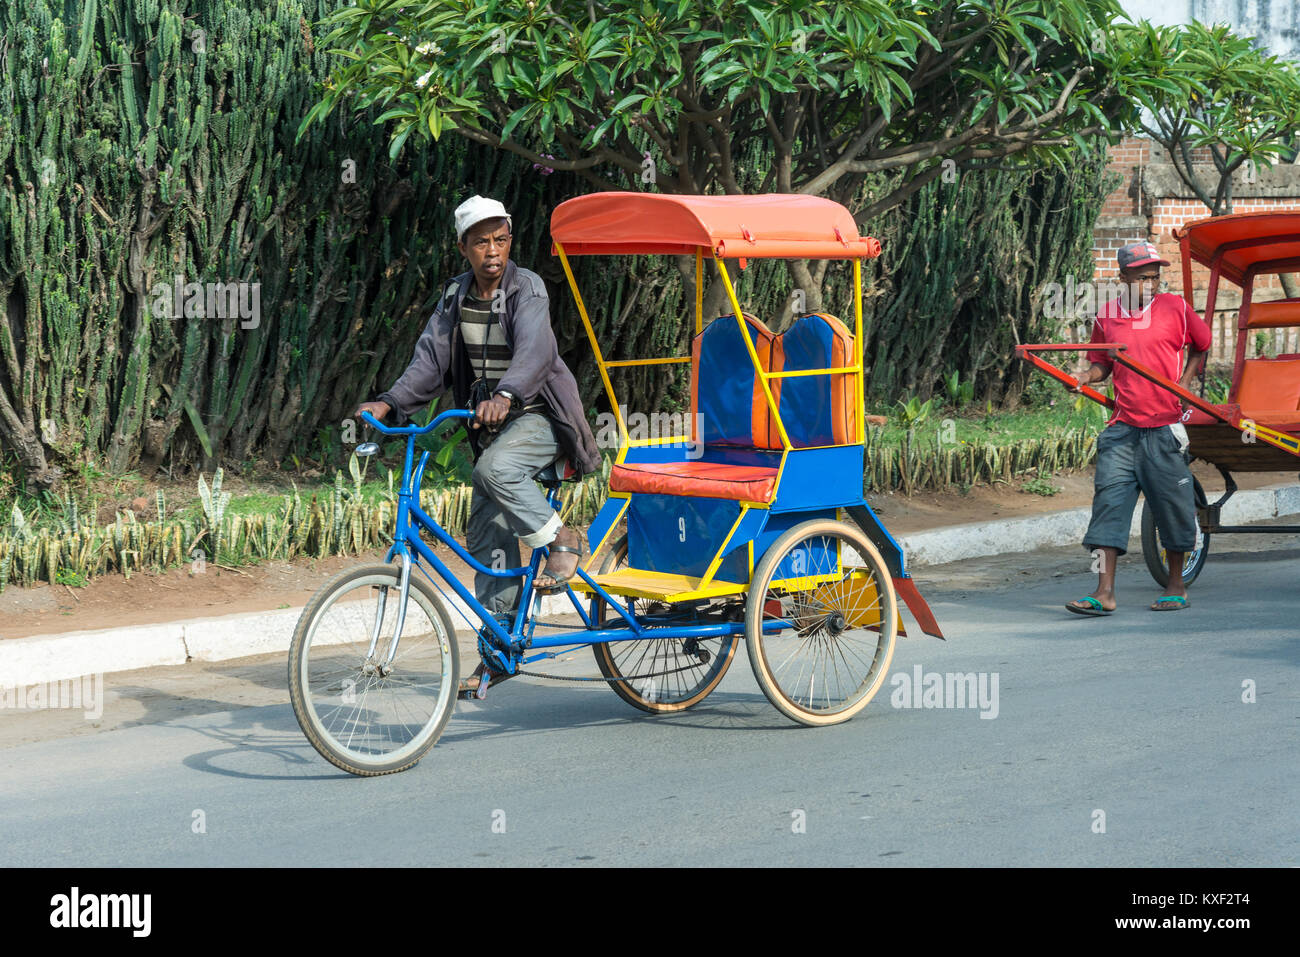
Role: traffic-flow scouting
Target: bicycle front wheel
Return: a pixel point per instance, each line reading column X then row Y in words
column 361, row 712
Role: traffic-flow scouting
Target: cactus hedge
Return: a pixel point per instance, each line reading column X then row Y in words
column 150, row 139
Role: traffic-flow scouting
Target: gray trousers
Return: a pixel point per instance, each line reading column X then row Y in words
column 1130, row 459
column 508, row 506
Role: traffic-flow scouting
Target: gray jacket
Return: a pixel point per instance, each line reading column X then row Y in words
column 536, row 369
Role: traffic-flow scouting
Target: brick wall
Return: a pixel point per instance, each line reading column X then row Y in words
column 1127, row 158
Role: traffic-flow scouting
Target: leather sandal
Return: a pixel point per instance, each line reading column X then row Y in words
column 558, row 585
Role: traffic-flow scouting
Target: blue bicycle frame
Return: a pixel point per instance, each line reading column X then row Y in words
column 502, row 649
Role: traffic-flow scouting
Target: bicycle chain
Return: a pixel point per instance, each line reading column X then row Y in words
column 653, row 674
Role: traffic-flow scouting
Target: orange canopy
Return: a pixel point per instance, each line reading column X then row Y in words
column 786, row 225
column 1245, row 240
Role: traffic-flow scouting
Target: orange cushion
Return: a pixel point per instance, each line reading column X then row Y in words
column 1268, row 384
column 1284, row 420
column 1274, row 314
column 733, row 402
column 696, row 480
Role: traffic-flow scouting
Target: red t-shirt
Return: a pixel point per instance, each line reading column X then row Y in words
column 1158, row 345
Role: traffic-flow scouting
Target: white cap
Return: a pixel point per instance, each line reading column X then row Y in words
column 475, row 210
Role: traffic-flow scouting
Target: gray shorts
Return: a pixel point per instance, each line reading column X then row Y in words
column 1129, row 460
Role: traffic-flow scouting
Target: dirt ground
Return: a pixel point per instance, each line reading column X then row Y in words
column 112, row 601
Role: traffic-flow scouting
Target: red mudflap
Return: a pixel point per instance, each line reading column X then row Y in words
column 906, row 588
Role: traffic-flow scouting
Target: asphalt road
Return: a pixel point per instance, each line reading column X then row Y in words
column 1120, row 741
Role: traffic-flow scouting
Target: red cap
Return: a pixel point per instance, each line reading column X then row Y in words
column 1139, row 254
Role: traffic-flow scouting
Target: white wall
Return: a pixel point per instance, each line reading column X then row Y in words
column 1166, row 12
column 1274, row 23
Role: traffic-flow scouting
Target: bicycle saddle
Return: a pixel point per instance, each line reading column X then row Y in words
column 561, row 470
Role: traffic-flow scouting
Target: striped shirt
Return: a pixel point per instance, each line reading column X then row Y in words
column 488, row 360
column 491, row 358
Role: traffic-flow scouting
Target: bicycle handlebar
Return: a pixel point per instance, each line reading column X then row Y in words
column 416, row 429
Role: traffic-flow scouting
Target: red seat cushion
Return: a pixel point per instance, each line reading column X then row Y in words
column 1274, row 314
column 696, row 480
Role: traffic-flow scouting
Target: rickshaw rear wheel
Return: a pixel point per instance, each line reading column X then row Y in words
column 683, row 671
column 829, row 662
column 1156, row 557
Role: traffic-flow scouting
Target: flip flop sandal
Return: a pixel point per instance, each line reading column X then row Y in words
column 1094, row 609
column 1170, row 603
column 558, row 585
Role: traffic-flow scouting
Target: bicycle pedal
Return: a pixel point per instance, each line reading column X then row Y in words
column 481, row 691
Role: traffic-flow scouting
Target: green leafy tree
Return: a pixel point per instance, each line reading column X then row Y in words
column 1243, row 108
column 649, row 94
column 1216, row 91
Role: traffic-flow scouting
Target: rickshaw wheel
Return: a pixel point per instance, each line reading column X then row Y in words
column 703, row 661
column 826, row 667
column 1157, row 559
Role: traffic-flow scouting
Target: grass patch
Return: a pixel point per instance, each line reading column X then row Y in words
column 1040, row 486
column 948, row 450
column 999, row 428
column 60, row 544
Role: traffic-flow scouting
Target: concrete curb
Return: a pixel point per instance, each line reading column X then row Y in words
column 984, row 539
column 45, row 658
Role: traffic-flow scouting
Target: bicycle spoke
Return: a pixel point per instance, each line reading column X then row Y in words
column 656, row 673
column 827, row 659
